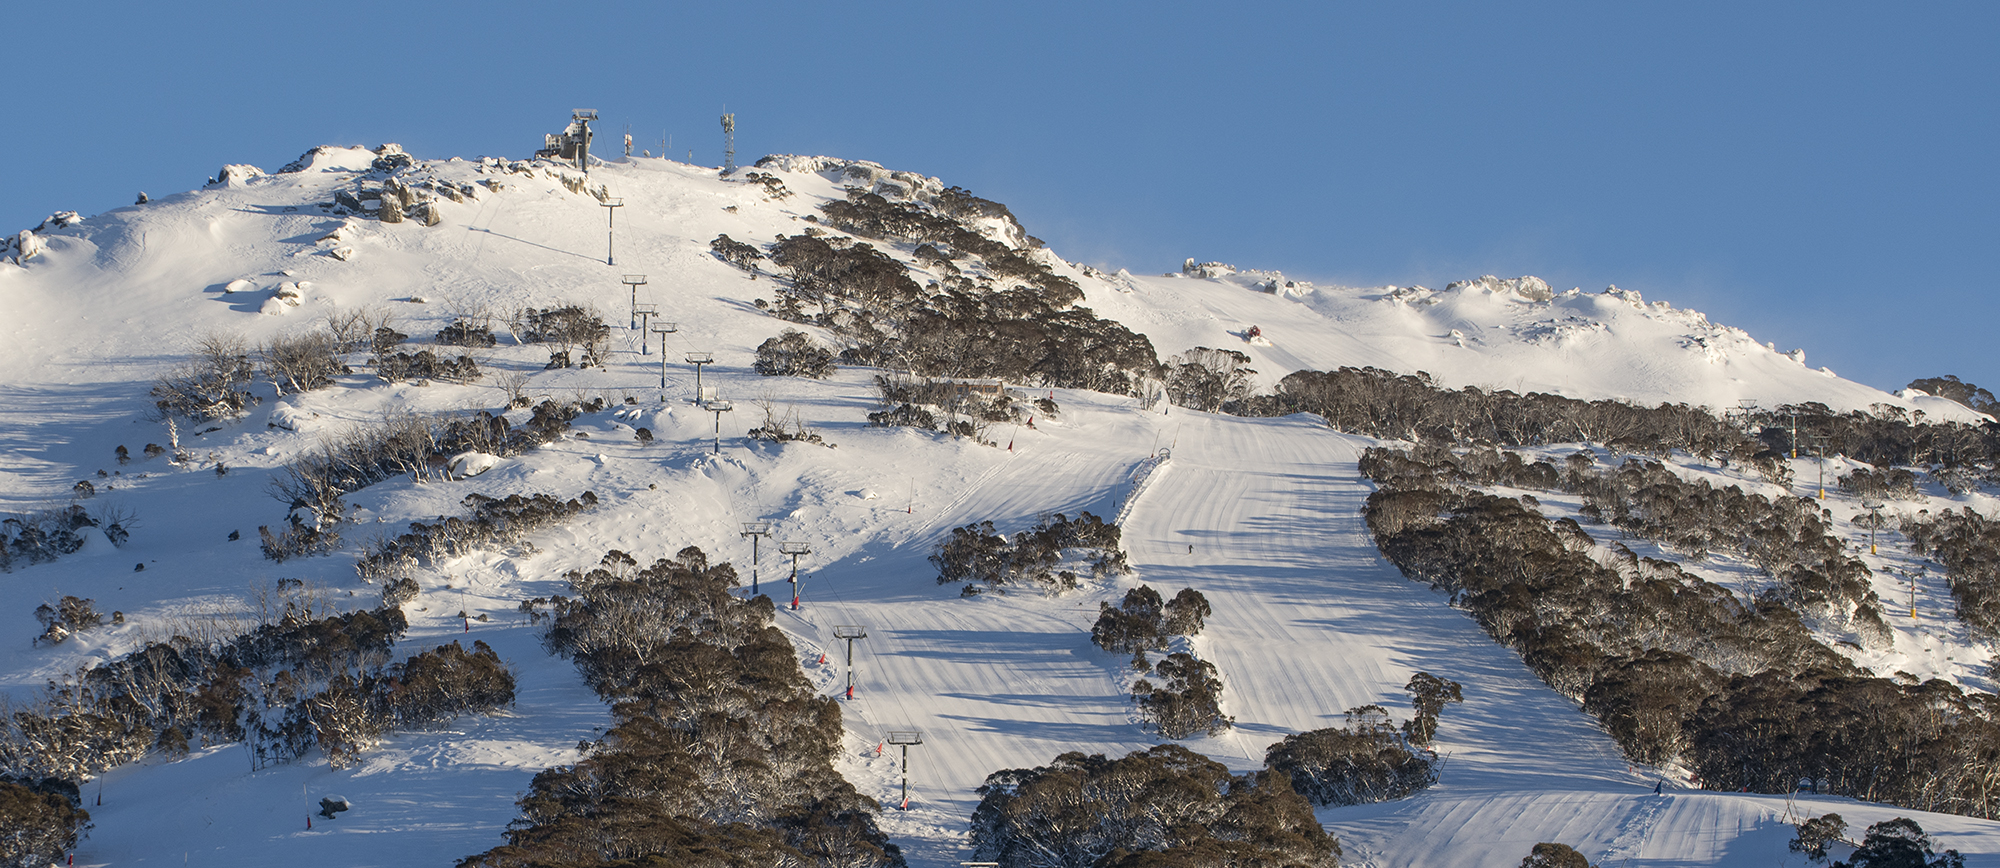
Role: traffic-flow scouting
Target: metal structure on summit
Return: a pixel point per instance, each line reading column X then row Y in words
column 728, row 143
column 573, row 143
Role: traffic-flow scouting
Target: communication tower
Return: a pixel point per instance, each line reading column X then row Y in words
column 728, row 143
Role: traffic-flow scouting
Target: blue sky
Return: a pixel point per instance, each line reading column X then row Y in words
column 1821, row 174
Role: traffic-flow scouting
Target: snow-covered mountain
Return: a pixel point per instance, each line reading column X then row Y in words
column 1263, row 515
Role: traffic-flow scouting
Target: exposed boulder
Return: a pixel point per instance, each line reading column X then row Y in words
column 390, row 158
column 1207, row 270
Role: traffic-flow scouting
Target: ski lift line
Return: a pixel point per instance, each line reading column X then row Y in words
column 845, row 612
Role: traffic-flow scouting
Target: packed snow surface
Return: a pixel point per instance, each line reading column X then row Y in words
column 1261, row 515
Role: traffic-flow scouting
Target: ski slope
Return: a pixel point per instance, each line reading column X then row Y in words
column 1308, row 621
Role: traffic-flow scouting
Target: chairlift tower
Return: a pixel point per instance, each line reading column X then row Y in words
column 718, row 408
column 645, row 312
column 1874, row 508
column 611, row 205
column 633, row 282
column 850, row 632
column 697, row 360
column 795, row 549
column 1749, row 408
column 1819, row 442
column 664, row 329
column 728, row 143
column 905, row 738
column 756, row 531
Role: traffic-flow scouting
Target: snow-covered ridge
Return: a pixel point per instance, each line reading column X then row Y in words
column 1516, row 334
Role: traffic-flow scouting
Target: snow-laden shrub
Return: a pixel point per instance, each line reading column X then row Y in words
column 986, row 560
column 212, row 383
column 792, row 354
column 736, row 253
column 426, row 365
column 302, row 362
column 462, row 333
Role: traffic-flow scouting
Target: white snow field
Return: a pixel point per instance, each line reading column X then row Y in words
column 1261, row 515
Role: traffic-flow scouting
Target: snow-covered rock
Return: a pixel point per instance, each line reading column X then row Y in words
column 59, row 220
column 236, row 175
column 466, row 465
column 1528, row 288
column 27, row 245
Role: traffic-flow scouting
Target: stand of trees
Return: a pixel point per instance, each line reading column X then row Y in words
column 1677, row 668
column 567, row 328
column 1369, row 759
column 1167, row 807
column 989, row 561
column 1395, row 406
column 792, row 354
column 1187, row 702
column 491, row 521
column 289, row 686
column 719, row 753
column 1206, row 379
column 1144, row 621
column 1968, row 545
column 39, row 822
column 1019, row 321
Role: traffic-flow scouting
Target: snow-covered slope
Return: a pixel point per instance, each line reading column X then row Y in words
column 1261, row 515
column 1495, row 334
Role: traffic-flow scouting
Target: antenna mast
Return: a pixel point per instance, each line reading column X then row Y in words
column 728, row 143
